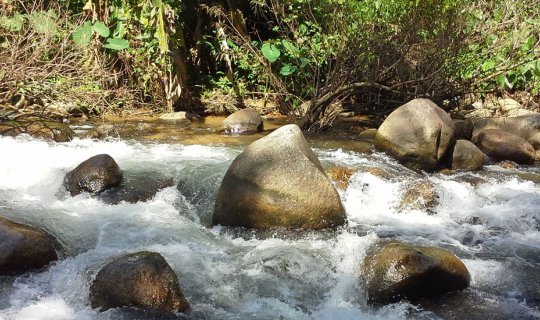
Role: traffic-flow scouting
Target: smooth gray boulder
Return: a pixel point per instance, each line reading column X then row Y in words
column 503, row 145
column 524, row 126
column 244, row 120
column 277, row 181
column 142, row 280
column 394, row 271
column 23, row 248
column 467, row 156
column 94, row 175
column 418, row 134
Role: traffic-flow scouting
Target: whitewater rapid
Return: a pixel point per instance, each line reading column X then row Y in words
column 229, row 273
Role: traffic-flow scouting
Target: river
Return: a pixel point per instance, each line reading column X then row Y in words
column 490, row 219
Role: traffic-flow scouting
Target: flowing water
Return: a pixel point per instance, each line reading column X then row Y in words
column 490, row 219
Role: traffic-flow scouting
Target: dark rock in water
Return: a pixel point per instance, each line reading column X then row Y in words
column 94, row 175
column 524, row 126
column 23, row 248
column 135, row 189
column 395, row 271
column 278, row 182
column 417, row 134
column 502, row 145
column 49, row 130
column 245, row 120
column 420, row 195
column 463, row 129
column 141, row 280
column 467, row 156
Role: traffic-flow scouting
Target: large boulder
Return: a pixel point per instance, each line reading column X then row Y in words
column 244, row 120
column 278, row 182
column 523, row 126
column 23, row 248
column 467, row 156
column 417, row 134
column 142, row 280
column 394, row 271
column 503, row 145
column 94, row 175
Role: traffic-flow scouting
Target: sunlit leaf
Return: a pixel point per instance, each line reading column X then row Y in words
column 83, row 35
column 287, row 70
column 116, row 44
column 270, row 52
column 101, row 29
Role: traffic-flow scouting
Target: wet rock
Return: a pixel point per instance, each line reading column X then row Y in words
column 395, row 271
column 467, row 156
column 420, row 195
column 94, row 175
column 523, row 126
column 503, row 145
column 463, row 129
column 141, row 280
column 245, row 120
column 340, row 175
column 176, row 117
column 278, row 182
column 535, row 141
column 507, row 164
column 368, row 134
column 23, row 248
column 101, row 132
column 48, row 130
column 417, row 134
column 135, row 189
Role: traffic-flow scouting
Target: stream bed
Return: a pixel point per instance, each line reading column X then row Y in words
column 490, row 219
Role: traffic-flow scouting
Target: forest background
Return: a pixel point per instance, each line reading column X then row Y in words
column 308, row 59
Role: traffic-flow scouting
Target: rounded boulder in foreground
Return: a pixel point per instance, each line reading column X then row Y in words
column 142, row 280
column 277, row 181
column 417, row 134
column 245, row 120
column 467, row 156
column 23, row 248
column 94, row 175
column 396, row 271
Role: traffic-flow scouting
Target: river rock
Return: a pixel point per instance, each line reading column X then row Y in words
column 463, row 129
column 395, row 271
column 244, row 120
column 340, row 175
column 467, row 156
column 535, row 141
column 49, row 130
column 277, row 181
column 368, row 134
column 135, row 189
column 94, row 175
column 523, row 126
column 420, row 195
column 417, row 134
column 176, row 117
column 142, row 280
column 503, row 145
column 23, row 248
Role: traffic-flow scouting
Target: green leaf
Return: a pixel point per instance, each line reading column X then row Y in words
column 270, row 52
column 287, row 70
column 116, row 44
column 101, row 29
column 529, row 44
column 83, row 35
column 291, row 48
column 488, row 65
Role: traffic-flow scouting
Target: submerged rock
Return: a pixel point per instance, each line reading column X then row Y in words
column 94, row 175
column 467, row 156
column 503, row 145
column 417, row 134
column 278, row 182
column 420, row 195
column 135, row 189
column 141, row 280
column 244, row 120
column 23, row 248
column 395, row 271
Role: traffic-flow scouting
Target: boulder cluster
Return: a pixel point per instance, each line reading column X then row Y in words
column 422, row 136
